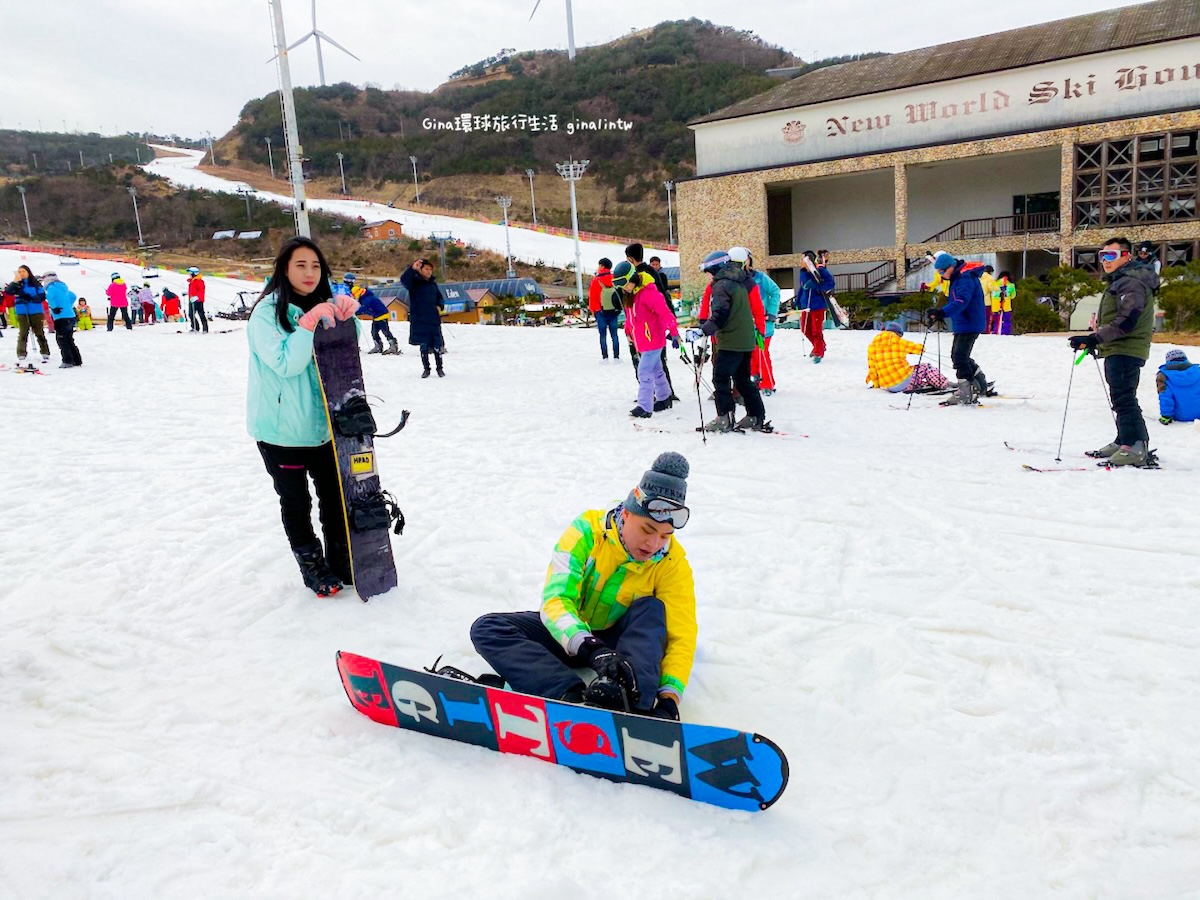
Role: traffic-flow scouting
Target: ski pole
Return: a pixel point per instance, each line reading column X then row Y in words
column 695, row 365
column 1067, row 404
column 920, row 356
column 1107, row 395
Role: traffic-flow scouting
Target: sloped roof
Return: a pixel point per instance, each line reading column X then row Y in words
column 1113, row 29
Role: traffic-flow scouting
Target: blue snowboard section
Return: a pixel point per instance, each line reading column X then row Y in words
column 721, row 766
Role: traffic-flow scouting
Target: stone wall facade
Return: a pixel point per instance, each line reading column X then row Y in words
column 726, row 210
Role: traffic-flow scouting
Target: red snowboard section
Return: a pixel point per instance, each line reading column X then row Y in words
column 367, row 688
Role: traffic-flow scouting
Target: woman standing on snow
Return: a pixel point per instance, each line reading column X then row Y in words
column 425, row 305
column 285, row 410
column 30, row 296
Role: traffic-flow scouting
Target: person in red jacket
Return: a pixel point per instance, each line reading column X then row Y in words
column 196, row 300
column 604, row 305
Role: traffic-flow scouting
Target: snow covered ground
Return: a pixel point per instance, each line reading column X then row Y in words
column 528, row 246
column 986, row 679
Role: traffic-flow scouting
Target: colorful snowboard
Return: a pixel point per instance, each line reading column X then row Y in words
column 340, row 368
column 722, row 766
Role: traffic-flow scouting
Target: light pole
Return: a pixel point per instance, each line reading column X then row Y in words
column 413, row 160
column 136, row 149
column 270, row 159
column 211, row 156
column 25, row 206
column 342, row 169
column 136, row 216
column 669, row 185
column 442, row 237
column 532, row 202
column 290, row 134
column 505, row 203
column 571, row 172
column 246, row 191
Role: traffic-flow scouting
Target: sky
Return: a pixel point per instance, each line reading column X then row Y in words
column 187, row 68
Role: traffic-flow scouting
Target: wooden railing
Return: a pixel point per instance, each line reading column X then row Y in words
column 865, row 281
column 997, row 226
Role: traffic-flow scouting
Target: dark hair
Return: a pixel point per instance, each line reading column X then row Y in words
column 635, row 252
column 989, row 270
column 606, row 262
column 1121, row 242
column 31, row 278
column 810, row 255
column 655, row 259
column 279, row 285
column 1005, row 274
column 822, row 253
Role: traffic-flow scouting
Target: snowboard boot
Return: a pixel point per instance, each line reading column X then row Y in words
column 487, row 679
column 315, row 571
column 605, row 693
column 573, row 694
column 638, row 413
column 662, row 405
column 378, row 348
column 1104, row 452
column 1135, row 455
column 721, row 423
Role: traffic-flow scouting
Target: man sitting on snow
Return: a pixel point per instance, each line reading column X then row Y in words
column 619, row 599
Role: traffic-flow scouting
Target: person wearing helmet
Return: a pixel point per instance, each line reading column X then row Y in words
column 370, row 305
column 967, row 314
column 648, row 321
column 196, row 300
column 118, row 301
column 731, row 322
column 146, row 299
column 761, row 368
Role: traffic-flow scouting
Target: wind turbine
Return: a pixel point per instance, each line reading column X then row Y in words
column 318, row 35
column 570, row 27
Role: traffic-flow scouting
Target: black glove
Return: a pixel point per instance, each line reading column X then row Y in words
column 935, row 315
column 666, row 708
column 608, row 663
column 1086, row 342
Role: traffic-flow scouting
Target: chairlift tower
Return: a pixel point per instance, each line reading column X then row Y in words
column 572, row 171
column 290, row 133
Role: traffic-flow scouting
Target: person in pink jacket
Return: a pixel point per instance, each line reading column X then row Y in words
column 648, row 321
column 118, row 300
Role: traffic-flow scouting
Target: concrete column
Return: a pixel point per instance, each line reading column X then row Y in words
column 901, row 178
column 1066, row 203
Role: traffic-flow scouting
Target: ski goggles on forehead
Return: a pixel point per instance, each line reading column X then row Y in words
column 662, row 510
column 1111, row 255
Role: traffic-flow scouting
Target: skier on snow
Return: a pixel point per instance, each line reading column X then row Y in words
column 648, row 321
column 370, row 305
column 967, row 315
column 731, row 322
column 619, row 598
column 285, row 409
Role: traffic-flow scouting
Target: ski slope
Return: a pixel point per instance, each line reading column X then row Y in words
column 528, row 246
column 986, row 679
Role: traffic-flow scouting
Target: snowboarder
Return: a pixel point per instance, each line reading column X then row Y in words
column 370, row 305
column 888, row 366
column 1126, row 320
column 62, row 306
column 606, row 307
column 815, row 282
column 648, row 321
column 731, row 323
column 1178, row 385
column 118, row 301
column 966, row 311
column 425, row 305
column 285, row 409
column 29, row 298
column 619, row 598
column 196, row 288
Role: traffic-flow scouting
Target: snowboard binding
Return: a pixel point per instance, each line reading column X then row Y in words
column 487, row 679
column 354, row 419
column 375, row 512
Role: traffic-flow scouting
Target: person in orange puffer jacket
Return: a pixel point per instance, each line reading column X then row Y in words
column 604, row 305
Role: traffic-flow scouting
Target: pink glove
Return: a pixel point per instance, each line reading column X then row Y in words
column 325, row 313
column 344, row 307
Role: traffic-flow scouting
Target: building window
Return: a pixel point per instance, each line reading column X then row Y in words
column 1145, row 180
column 391, row 232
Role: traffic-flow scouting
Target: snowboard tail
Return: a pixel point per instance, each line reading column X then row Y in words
column 369, row 510
column 722, row 766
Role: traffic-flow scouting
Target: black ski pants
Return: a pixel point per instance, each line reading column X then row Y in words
column 521, row 651
column 732, row 368
column 380, row 328
column 290, row 468
column 960, row 355
column 64, row 336
column 112, row 317
column 198, row 316
column 1122, row 374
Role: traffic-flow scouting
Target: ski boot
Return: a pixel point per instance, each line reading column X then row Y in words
column 1104, row 452
column 721, row 423
column 965, row 394
column 662, row 405
column 378, row 348
column 315, row 571
column 605, row 693
column 393, row 348
column 638, row 413
column 754, row 423
column 1132, row 455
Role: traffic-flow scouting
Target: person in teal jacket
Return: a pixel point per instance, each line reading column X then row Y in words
column 769, row 290
column 285, row 410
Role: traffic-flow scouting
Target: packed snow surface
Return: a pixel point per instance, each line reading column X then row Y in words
column 986, row 679
column 527, row 245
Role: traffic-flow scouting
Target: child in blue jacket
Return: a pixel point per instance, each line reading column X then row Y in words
column 1178, row 389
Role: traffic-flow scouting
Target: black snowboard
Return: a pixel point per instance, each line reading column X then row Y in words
column 367, row 522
